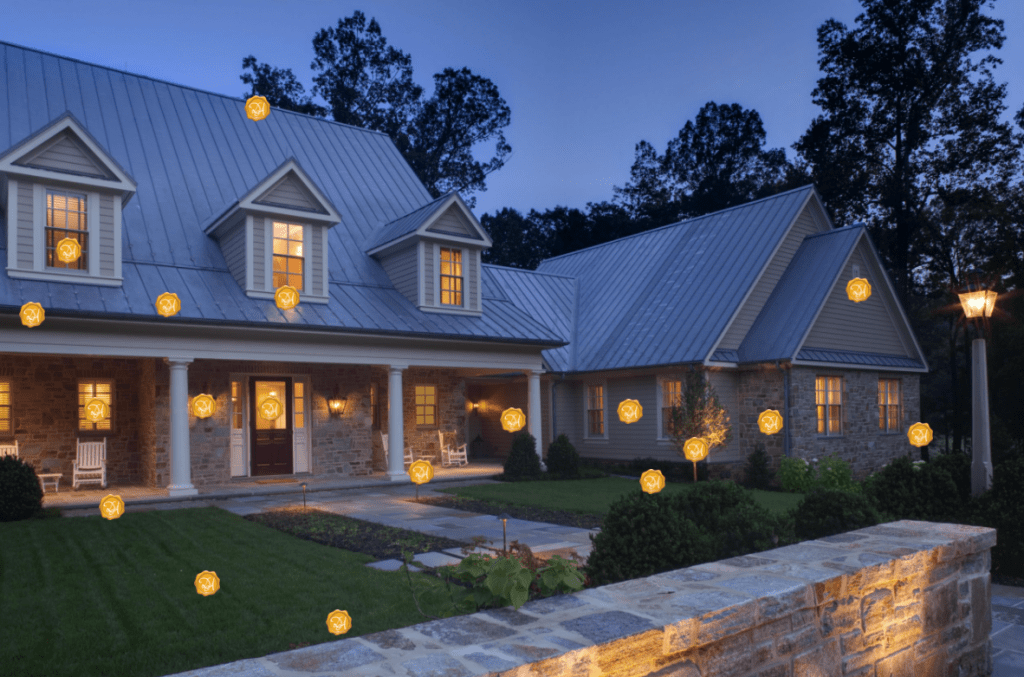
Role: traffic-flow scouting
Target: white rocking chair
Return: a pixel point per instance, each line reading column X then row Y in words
column 9, row 449
column 451, row 454
column 91, row 464
column 387, row 450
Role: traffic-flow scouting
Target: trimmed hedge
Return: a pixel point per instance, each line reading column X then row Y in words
column 21, row 496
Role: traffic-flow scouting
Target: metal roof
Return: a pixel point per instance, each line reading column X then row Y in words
column 851, row 357
column 666, row 295
column 193, row 155
column 799, row 295
column 405, row 224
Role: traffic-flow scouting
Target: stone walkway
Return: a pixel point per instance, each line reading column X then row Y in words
column 1007, row 631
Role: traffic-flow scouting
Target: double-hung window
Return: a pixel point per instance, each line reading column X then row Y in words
column 671, row 396
column 66, row 218
column 828, row 395
column 426, row 405
column 6, row 423
column 288, row 257
column 889, row 413
column 595, row 411
column 88, row 391
column 451, row 277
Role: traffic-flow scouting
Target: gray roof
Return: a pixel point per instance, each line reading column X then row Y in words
column 851, row 357
column 406, row 224
column 193, row 155
column 666, row 295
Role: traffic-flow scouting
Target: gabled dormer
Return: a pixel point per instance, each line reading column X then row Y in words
column 276, row 234
column 61, row 184
column 432, row 256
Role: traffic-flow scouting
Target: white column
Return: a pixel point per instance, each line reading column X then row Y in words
column 396, row 427
column 535, row 420
column 981, row 451
column 181, row 459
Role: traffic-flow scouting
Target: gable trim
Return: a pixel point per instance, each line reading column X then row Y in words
column 249, row 225
column 12, row 226
column 454, row 199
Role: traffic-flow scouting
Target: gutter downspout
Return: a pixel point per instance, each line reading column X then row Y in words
column 785, row 414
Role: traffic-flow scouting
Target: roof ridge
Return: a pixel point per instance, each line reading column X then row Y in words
column 180, row 86
column 679, row 223
column 526, row 270
column 834, row 231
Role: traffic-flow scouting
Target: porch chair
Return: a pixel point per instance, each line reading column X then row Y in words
column 451, row 454
column 9, row 449
column 91, row 464
column 408, row 450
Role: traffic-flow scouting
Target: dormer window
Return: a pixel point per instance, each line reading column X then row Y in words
column 288, row 257
column 451, row 277
column 66, row 218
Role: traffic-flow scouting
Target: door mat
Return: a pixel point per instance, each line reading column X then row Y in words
column 281, row 481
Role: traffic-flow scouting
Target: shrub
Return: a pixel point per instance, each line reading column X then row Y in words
column 834, row 473
column 921, row 491
column 674, row 471
column 21, row 496
column 1001, row 508
column 826, row 512
column 644, row 535
column 522, row 461
column 958, row 465
column 563, row 460
column 800, row 476
column 796, row 475
column 758, row 473
column 730, row 517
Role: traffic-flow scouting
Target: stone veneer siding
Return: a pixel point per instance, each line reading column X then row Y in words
column 906, row 598
column 861, row 443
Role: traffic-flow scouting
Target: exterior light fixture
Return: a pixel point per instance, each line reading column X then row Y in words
column 303, row 497
column 504, row 517
column 978, row 302
column 338, row 404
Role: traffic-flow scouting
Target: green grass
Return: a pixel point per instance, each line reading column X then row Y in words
column 595, row 496
column 87, row 596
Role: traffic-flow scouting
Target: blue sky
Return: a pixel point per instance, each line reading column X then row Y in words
column 585, row 80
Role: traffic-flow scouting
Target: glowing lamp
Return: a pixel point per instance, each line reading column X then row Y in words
column 513, row 419
column 338, row 404
column 978, row 301
column 630, row 411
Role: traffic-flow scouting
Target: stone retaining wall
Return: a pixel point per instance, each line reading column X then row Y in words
column 906, row 598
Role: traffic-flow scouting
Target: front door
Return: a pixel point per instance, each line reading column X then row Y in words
column 271, row 426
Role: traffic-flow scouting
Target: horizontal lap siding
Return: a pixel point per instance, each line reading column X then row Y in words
column 725, row 384
column 107, row 235
column 291, row 193
column 233, row 247
column 453, row 222
column 67, row 156
column 473, row 281
column 24, row 225
column 567, row 418
column 317, row 263
column 259, row 252
column 401, row 269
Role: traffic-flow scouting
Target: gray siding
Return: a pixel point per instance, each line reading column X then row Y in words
column 805, row 225
column 290, row 192
column 726, row 385
column 67, row 155
column 24, row 218
column 428, row 274
column 106, row 232
column 317, row 261
column 232, row 244
column 401, row 269
column 259, row 253
column 567, row 419
column 454, row 222
column 869, row 326
column 473, row 279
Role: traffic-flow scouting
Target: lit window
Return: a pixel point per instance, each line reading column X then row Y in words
column 671, row 395
column 300, row 412
column 288, row 257
column 95, row 390
column 595, row 410
column 889, row 405
column 236, row 405
column 426, row 405
column 5, row 408
column 65, row 218
column 451, row 277
column 828, row 395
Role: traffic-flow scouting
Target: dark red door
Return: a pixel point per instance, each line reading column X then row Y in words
column 271, row 427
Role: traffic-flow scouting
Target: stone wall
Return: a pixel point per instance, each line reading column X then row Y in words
column 906, row 598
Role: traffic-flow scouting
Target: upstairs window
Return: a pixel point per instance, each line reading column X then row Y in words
column 65, row 218
column 889, row 405
column 828, row 395
column 671, row 396
column 451, row 277
column 595, row 411
column 95, row 390
column 288, row 256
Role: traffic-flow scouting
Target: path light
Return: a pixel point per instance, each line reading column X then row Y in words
column 303, row 485
column 504, row 517
column 979, row 301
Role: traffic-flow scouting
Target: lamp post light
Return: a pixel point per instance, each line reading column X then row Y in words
column 978, row 303
column 303, row 497
column 504, row 517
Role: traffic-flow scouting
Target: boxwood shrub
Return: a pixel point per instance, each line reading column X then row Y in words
column 826, row 512
column 21, row 496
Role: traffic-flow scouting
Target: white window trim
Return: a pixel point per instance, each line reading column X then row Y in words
column 113, row 407
column 842, row 406
column 899, row 405
column 437, row 278
column 586, row 409
column 659, row 397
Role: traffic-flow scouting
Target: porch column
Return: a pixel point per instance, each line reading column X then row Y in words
column 181, row 460
column 536, row 422
column 396, row 427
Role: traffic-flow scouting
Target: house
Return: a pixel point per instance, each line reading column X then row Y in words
column 170, row 190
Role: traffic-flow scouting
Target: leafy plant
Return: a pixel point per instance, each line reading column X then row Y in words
column 1001, row 508
column 563, row 459
column 21, row 495
column 522, row 461
column 731, row 518
column 917, row 491
column 834, row 473
column 826, row 512
column 758, row 473
column 698, row 413
column 796, row 475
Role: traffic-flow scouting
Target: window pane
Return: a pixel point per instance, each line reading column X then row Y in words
column 295, row 266
column 279, row 264
column 295, row 248
column 279, row 280
column 280, row 230
column 280, row 246
column 295, row 232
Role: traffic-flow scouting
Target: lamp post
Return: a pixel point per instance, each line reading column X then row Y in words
column 978, row 303
column 504, row 517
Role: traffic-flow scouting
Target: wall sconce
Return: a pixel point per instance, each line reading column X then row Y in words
column 337, row 404
column 474, row 405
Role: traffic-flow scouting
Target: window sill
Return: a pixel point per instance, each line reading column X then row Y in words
column 595, row 439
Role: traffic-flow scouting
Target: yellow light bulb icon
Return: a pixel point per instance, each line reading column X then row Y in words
column 338, row 622
column 111, row 507
column 286, row 297
column 204, row 406
column 513, row 419
column 257, row 107
column 32, row 314
column 68, row 250
column 652, row 481
column 920, row 434
column 858, row 289
column 207, row 583
column 421, row 471
column 97, row 410
column 769, row 421
column 630, row 411
column 695, row 449
column 168, row 304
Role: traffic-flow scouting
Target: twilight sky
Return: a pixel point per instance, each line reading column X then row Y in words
column 586, row 80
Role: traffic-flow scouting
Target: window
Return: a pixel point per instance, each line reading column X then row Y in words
column 828, row 395
column 300, row 411
column 5, row 408
column 236, row 405
column 889, row 415
column 595, row 411
column 95, row 390
column 65, row 218
column 288, row 258
column 451, row 277
column 426, row 405
column 671, row 395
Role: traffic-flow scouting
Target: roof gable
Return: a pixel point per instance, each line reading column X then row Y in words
column 446, row 218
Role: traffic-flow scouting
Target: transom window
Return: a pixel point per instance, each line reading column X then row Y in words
column 671, row 395
column 595, row 410
column 828, row 395
column 451, row 277
column 5, row 408
column 288, row 256
column 889, row 414
column 95, row 390
column 426, row 405
column 65, row 218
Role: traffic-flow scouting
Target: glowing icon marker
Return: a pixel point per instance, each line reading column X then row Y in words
column 32, row 314
column 513, row 419
column 630, row 411
column 652, row 481
column 257, row 107
column 920, row 434
column 858, row 289
column 338, row 622
column 271, row 409
column 204, row 406
column 207, row 583
column 695, row 449
column 421, row 471
column 168, row 304
column 96, row 411
column 68, row 250
column 111, row 507
column 770, row 421
column 286, row 297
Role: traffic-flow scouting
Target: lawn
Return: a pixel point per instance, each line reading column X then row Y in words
column 594, row 496
column 87, row 596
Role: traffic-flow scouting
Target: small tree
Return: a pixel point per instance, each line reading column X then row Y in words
column 698, row 413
